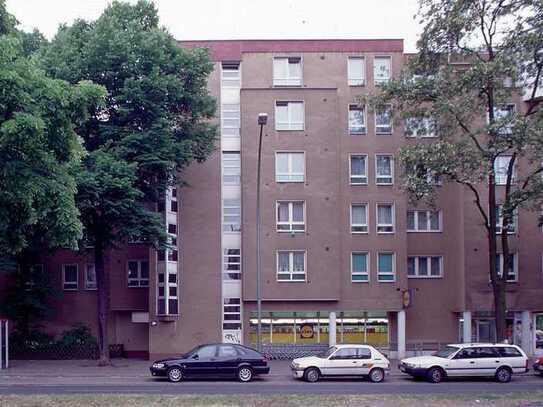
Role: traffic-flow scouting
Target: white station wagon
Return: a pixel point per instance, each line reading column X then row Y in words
column 343, row 360
column 500, row 361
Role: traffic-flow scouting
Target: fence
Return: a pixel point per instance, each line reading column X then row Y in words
column 4, row 344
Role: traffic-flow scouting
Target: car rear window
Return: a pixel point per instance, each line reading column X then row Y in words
column 508, row 352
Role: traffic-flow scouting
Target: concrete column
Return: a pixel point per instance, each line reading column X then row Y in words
column 332, row 329
column 526, row 341
column 466, row 328
column 401, row 334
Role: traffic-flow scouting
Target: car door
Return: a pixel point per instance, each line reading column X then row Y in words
column 364, row 361
column 202, row 362
column 342, row 362
column 462, row 364
column 228, row 360
column 487, row 361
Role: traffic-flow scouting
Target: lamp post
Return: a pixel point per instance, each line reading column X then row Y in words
column 262, row 120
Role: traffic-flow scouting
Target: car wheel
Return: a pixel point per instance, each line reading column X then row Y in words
column 503, row 375
column 175, row 374
column 312, row 375
column 377, row 375
column 435, row 375
column 245, row 374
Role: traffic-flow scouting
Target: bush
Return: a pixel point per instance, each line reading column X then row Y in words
column 79, row 334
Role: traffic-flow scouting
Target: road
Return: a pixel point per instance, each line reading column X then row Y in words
column 273, row 384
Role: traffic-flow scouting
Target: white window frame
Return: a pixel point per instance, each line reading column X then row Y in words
column 230, row 227
column 385, row 225
column 289, row 80
column 290, row 125
column 290, row 223
column 358, row 273
column 416, row 221
column 231, row 125
column 230, row 81
column 351, row 79
column 363, row 178
column 87, row 286
column 499, row 221
column 290, row 174
column 291, row 271
column 387, row 273
column 355, row 107
column 227, row 261
column 226, row 311
column 378, row 176
column 385, row 80
column 141, row 282
column 501, row 179
column 64, row 282
column 498, row 116
column 228, row 170
column 428, row 125
column 428, row 266
column 515, row 267
column 388, row 130
column 360, row 225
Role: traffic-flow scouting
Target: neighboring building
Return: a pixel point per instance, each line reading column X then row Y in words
column 341, row 245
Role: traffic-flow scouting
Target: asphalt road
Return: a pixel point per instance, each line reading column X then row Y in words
column 277, row 385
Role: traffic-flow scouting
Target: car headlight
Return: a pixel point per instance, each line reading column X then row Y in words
column 158, row 365
column 296, row 365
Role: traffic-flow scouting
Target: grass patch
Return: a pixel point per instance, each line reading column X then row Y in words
column 494, row 400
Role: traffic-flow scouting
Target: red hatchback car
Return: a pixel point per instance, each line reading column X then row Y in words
column 538, row 366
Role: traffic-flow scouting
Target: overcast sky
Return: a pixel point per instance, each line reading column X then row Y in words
column 242, row 19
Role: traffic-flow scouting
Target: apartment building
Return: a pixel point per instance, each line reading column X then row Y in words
column 345, row 256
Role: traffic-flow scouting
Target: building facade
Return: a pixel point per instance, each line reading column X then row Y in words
column 345, row 256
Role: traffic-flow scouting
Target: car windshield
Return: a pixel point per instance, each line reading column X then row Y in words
column 445, row 352
column 190, row 352
column 328, row 352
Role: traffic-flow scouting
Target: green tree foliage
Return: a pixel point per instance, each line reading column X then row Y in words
column 475, row 58
column 155, row 122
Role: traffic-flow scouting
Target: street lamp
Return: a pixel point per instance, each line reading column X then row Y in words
column 262, row 120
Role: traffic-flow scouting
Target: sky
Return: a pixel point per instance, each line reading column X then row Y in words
column 246, row 19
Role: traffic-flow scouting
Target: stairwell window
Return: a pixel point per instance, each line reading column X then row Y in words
column 360, row 267
column 231, row 215
column 289, row 115
column 357, row 119
column 501, row 166
column 231, row 168
column 291, row 265
column 511, row 227
column 290, row 216
column 384, row 169
column 359, row 218
column 287, row 71
column 232, row 264
column 231, row 313
column 385, row 218
column 356, row 71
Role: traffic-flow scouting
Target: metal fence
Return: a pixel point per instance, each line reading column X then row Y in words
column 4, row 344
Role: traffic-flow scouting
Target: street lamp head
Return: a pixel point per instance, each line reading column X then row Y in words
column 262, row 119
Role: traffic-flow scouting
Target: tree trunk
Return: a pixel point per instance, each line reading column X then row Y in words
column 102, row 285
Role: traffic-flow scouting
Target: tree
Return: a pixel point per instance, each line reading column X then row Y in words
column 155, row 122
column 474, row 57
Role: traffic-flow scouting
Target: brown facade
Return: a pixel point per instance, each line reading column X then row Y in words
column 437, row 305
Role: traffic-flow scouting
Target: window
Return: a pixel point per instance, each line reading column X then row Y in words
column 206, row 352
column 511, row 227
column 172, row 228
column 230, row 74
column 383, row 120
column 384, row 169
column 231, row 215
column 290, row 216
column 358, row 169
column 90, row 277
column 227, row 351
column 231, row 313
column 386, row 267
column 420, row 127
column 359, row 218
column 230, row 119
column 503, row 116
column 289, row 115
column 69, row 276
column 290, row 266
column 420, row 171
column 424, row 266
column 346, row 354
column 381, row 70
column 512, row 272
column 138, row 273
column 501, row 165
column 37, row 274
column 385, row 218
column 508, row 352
column 173, row 206
column 231, row 168
column 357, row 119
column 287, row 71
column 359, row 267
column 356, row 71
column 289, row 167
column 232, row 264
column 423, row 221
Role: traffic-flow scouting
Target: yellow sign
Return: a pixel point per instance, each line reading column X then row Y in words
column 306, row 331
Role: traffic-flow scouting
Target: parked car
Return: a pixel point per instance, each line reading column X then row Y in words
column 213, row 360
column 343, row 360
column 538, row 366
column 479, row 359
